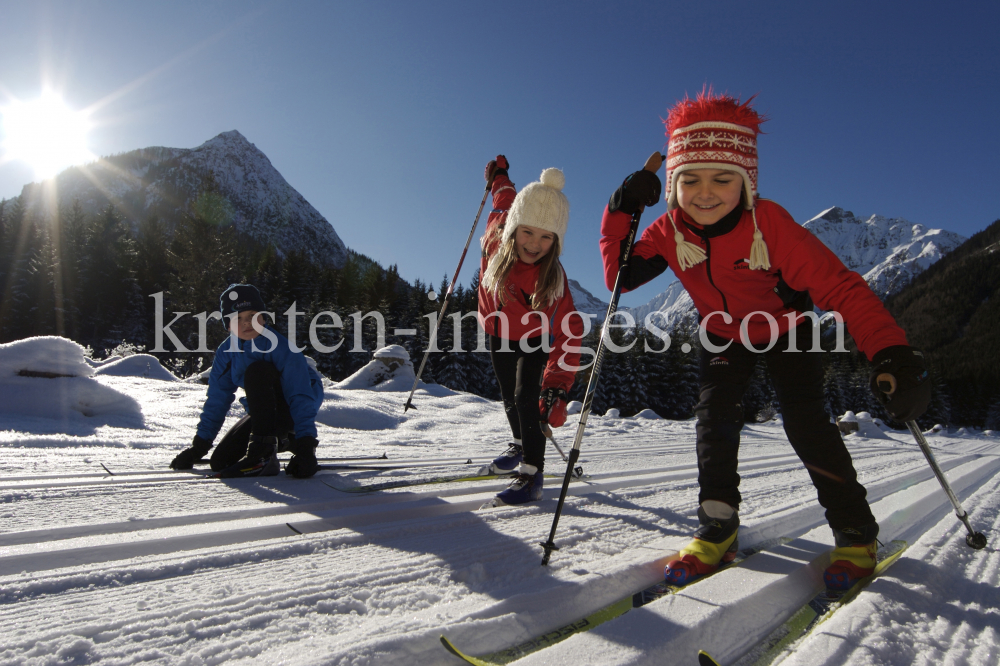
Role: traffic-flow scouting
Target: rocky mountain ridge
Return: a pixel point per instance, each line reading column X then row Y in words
column 167, row 182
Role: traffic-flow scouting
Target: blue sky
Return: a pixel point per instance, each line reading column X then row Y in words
column 382, row 114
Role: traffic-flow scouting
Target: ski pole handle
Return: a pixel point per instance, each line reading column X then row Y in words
column 889, row 382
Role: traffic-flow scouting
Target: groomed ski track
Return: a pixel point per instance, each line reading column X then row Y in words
column 169, row 567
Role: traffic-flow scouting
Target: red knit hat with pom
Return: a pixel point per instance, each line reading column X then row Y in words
column 712, row 132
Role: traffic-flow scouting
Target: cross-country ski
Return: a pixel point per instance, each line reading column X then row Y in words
column 503, row 334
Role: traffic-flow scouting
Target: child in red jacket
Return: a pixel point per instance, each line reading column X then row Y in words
column 526, row 309
column 751, row 271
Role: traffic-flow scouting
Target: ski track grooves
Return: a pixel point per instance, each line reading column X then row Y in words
column 336, row 513
column 293, row 536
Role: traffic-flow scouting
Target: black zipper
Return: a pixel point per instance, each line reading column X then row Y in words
column 708, row 267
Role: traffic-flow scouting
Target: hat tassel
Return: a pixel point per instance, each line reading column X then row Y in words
column 688, row 254
column 758, row 250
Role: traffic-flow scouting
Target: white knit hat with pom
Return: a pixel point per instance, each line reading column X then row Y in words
column 542, row 205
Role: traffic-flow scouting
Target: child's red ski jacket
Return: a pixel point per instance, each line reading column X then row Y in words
column 565, row 326
column 724, row 283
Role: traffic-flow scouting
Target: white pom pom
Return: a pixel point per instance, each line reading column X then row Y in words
column 553, row 178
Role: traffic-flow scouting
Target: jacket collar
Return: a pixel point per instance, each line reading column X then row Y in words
column 720, row 228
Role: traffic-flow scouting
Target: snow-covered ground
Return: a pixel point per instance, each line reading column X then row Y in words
column 152, row 565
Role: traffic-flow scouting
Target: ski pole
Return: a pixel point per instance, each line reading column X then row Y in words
column 547, row 431
column 652, row 164
column 973, row 539
column 447, row 296
column 887, row 384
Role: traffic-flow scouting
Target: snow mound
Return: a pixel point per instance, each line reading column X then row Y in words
column 48, row 378
column 338, row 412
column 647, row 414
column 574, row 407
column 389, row 370
column 137, row 365
column 45, row 355
column 612, row 413
column 861, row 425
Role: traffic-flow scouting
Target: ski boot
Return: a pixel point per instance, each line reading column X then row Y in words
column 526, row 487
column 507, row 462
column 261, row 459
column 853, row 558
column 714, row 543
column 303, row 463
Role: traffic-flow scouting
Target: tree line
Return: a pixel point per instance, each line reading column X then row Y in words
column 89, row 277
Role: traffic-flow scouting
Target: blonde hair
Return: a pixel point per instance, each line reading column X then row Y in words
column 548, row 286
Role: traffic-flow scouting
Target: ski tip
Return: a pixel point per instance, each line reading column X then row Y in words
column 461, row 655
column 451, row 648
column 705, row 659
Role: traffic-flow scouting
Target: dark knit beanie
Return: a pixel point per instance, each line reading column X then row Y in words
column 239, row 298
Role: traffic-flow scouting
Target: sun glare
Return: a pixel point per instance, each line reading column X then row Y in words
column 45, row 134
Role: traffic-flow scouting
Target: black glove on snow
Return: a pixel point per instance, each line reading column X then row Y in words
column 906, row 395
column 640, row 189
column 188, row 457
column 303, row 463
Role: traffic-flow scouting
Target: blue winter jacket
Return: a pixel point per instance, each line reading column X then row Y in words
column 301, row 384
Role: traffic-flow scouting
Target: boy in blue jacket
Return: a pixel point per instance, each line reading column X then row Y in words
column 283, row 395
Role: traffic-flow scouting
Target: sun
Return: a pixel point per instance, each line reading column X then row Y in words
column 45, row 134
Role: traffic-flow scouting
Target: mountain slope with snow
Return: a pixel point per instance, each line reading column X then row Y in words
column 586, row 302
column 166, row 182
column 888, row 252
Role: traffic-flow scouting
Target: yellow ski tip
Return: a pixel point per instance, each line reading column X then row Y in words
column 704, row 659
column 461, row 655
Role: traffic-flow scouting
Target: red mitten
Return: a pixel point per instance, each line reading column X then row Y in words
column 495, row 165
column 552, row 406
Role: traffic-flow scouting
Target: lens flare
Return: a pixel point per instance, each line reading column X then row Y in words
column 45, row 134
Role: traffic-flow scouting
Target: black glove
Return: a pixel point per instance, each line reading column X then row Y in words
column 900, row 381
column 496, row 167
column 188, row 457
column 303, row 463
column 640, row 189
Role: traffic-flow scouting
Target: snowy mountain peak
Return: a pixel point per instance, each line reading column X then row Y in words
column 888, row 252
column 586, row 302
column 163, row 182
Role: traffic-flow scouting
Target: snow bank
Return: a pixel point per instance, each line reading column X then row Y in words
column 861, row 425
column 358, row 413
column 44, row 355
column 389, row 370
column 49, row 378
column 137, row 365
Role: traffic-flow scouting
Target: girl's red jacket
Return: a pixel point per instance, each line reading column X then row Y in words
column 724, row 283
column 561, row 327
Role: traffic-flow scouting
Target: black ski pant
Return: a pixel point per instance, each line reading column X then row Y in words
column 267, row 415
column 519, row 374
column 797, row 378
